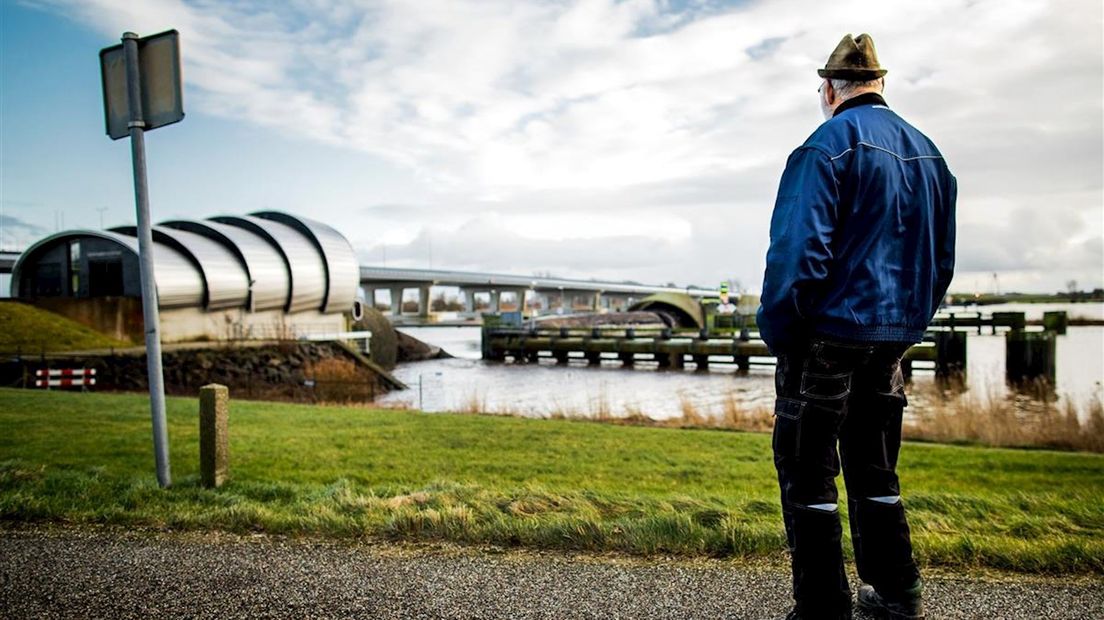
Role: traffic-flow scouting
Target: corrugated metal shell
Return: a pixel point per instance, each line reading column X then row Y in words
column 342, row 267
column 179, row 283
column 270, row 283
column 306, row 265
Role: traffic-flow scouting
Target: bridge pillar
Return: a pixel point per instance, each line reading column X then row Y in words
column 540, row 299
column 523, row 297
column 596, row 302
column 396, row 300
column 369, row 296
column 423, row 302
column 469, row 300
column 495, row 296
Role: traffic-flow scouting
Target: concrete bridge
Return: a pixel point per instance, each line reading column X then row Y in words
column 496, row 292
column 491, row 292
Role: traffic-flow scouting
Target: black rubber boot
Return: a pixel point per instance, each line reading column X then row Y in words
column 908, row 607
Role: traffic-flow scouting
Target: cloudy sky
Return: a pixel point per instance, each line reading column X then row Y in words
column 626, row 140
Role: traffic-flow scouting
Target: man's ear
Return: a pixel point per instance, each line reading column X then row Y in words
column 829, row 93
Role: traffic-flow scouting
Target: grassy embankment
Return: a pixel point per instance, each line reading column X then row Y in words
column 30, row 330
column 562, row 484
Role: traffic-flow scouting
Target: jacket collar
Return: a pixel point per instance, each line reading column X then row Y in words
column 863, row 99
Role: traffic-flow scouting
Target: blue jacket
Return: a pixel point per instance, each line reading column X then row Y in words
column 863, row 232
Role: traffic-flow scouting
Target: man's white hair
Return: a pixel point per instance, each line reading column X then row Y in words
column 846, row 88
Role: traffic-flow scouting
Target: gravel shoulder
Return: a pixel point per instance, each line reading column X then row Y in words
column 92, row 573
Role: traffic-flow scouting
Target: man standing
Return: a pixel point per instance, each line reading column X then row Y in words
column 861, row 254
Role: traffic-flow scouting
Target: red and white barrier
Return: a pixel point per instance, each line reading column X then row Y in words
column 65, row 377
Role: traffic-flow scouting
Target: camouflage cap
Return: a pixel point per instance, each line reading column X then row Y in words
column 853, row 59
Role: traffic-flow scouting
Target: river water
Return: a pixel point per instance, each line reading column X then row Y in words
column 467, row 383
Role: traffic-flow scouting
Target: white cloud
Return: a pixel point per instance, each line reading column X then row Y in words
column 639, row 108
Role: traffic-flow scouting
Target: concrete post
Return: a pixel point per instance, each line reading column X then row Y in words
column 596, row 303
column 423, row 302
column 495, row 294
column 370, row 296
column 396, row 301
column 214, row 450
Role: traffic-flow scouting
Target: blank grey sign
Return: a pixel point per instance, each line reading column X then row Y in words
column 162, row 90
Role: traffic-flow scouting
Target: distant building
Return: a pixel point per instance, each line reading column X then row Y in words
column 265, row 275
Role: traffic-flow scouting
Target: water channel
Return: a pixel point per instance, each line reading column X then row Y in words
column 467, row 383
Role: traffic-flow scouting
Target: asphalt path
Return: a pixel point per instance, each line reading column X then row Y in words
column 89, row 573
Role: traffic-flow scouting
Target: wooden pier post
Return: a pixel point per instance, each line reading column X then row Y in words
column 743, row 364
column 701, row 362
column 593, row 358
column 1055, row 322
column 214, row 444
column 950, row 354
column 1030, row 356
column 628, row 359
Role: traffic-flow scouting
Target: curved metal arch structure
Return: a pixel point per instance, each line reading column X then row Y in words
column 305, row 265
column 179, row 283
column 261, row 262
column 226, row 282
column 265, row 267
column 338, row 258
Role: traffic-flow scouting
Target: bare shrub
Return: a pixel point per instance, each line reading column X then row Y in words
column 340, row 380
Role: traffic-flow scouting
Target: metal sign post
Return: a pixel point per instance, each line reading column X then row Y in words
column 162, row 104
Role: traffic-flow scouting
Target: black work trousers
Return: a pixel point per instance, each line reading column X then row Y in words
column 852, row 394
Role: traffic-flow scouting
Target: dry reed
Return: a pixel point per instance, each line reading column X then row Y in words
column 1035, row 421
column 1018, row 420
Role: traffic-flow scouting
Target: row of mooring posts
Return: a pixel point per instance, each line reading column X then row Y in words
column 1030, row 355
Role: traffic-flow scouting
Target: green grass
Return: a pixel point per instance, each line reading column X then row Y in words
column 352, row 472
column 33, row 330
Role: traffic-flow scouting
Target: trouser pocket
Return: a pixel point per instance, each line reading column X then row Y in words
column 825, row 386
column 788, row 414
